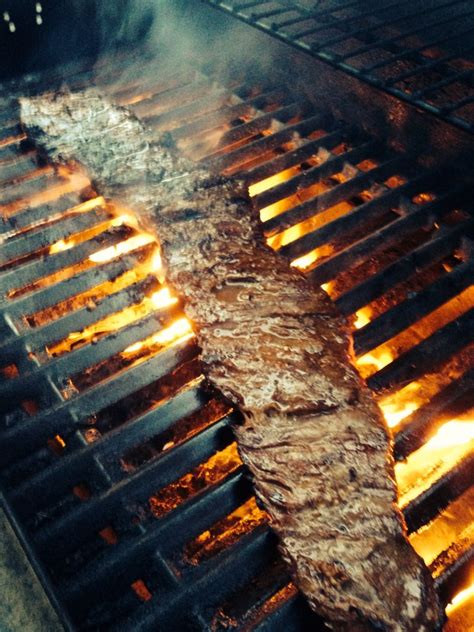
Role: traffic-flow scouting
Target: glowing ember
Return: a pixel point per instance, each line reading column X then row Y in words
column 272, row 181
column 138, row 241
column 59, row 246
column 163, row 298
column 453, row 442
column 461, row 598
column 362, row 317
column 454, row 524
column 179, row 331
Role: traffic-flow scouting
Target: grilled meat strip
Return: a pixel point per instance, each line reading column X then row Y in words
column 312, row 437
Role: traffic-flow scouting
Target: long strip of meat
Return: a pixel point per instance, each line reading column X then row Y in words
column 313, row 437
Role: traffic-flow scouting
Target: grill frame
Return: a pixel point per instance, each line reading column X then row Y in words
column 248, row 13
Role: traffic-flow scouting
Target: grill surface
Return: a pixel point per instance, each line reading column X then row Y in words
column 84, row 499
column 420, row 52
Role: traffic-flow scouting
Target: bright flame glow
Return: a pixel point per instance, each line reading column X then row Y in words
column 460, row 599
column 178, row 331
column 163, row 298
column 363, row 317
column 122, row 248
column 60, row 246
column 453, row 442
column 272, row 181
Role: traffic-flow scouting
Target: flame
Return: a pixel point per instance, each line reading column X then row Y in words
column 363, row 317
column 461, row 598
column 123, row 247
column 454, row 524
column 451, row 443
column 178, row 331
column 163, row 298
column 272, row 181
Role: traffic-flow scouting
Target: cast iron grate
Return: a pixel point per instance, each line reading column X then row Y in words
column 420, row 52
column 83, row 499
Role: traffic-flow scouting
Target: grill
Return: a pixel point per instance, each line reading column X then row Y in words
column 418, row 52
column 119, row 460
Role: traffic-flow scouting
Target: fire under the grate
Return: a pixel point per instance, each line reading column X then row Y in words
column 410, row 302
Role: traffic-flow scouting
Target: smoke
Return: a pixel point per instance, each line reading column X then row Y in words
column 177, row 33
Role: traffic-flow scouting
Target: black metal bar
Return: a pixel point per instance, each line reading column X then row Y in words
column 68, row 415
column 128, row 557
column 32, row 215
column 451, row 107
column 259, row 124
column 384, row 237
column 457, row 576
column 76, row 361
column 315, row 174
column 426, row 43
column 413, row 308
column 27, row 273
column 427, row 355
column 294, row 615
column 464, row 74
column 430, row 503
column 341, row 23
column 322, row 202
column 304, row 150
column 39, row 337
column 399, row 18
column 334, row 61
column 50, row 484
column 30, row 186
column 215, row 578
column 437, row 248
column 415, row 430
column 31, row 242
column 18, row 167
column 227, row 113
column 70, row 530
column 272, row 141
column 81, row 282
column 368, row 47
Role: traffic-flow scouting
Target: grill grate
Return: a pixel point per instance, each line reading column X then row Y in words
column 104, row 527
column 419, row 52
column 80, row 445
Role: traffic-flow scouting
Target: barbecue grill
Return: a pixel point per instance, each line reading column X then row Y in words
column 119, row 460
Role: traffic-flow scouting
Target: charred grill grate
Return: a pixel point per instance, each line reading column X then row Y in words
column 83, row 425
column 337, row 203
column 419, row 52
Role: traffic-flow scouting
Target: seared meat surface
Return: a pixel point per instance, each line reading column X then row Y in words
column 312, row 436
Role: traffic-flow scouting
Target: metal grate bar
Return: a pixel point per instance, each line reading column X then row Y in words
column 413, row 308
column 384, row 237
column 238, row 564
column 25, row 244
column 23, row 275
column 440, row 246
column 320, row 50
column 431, row 502
column 329, row 167
column 267, row 143
column 37, row 338
column 68, row 415
column 68, row 288
column 32, row 215
column 68, row 531
column 322, row 202
column 76, row 361
column 416, row 429
column 228, row 113
column 49, row 484
column 304, row 149
column 260, row 124
column 168, row 534
column 427, row 355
